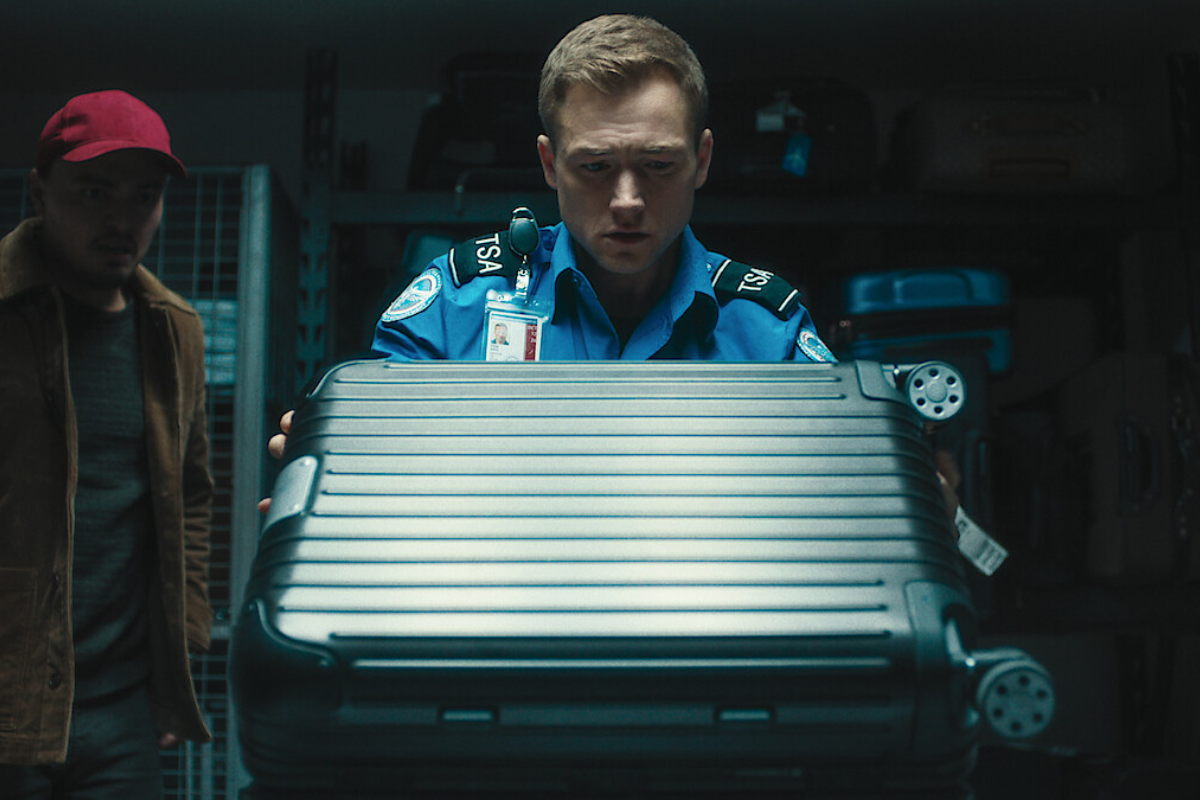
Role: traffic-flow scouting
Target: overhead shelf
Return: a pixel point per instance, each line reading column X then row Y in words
column 875, row 210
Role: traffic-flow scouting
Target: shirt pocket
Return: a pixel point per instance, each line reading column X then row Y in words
column 17, row 602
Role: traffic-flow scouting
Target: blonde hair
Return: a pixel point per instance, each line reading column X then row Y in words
column 614, row 52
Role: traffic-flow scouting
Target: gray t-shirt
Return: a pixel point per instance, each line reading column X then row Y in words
column 113, row 546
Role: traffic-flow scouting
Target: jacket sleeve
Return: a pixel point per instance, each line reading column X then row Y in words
column 197, row 497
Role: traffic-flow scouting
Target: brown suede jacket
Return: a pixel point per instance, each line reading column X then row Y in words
column 38, row 450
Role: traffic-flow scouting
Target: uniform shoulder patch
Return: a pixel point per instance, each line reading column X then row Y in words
column 811, row 345
column 487, row 255
column 732, row 279
column 419, row 295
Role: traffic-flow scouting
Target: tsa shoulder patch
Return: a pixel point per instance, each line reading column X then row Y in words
column 811, row 345
column 732, row 279
column 419, row 295
column 487, row 255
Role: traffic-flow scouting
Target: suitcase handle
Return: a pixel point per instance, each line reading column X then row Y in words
column 1137, row 465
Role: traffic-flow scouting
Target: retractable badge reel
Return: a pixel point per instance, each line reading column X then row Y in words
column 513, row 320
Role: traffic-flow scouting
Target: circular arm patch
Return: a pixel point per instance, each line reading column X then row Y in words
column 417, row 297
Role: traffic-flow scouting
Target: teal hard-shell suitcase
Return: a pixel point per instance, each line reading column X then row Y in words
column 609, row 578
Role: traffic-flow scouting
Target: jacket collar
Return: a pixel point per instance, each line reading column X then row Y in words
column 21, row 269
column 21, row 260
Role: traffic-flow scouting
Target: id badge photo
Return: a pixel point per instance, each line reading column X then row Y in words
column 511, row 331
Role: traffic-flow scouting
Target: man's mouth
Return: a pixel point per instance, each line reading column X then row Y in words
column 115, row 249
column 626, row 237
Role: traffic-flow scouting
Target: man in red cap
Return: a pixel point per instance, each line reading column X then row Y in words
column 105, row 492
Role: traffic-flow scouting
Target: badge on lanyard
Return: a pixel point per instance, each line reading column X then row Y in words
column 512, row 332
column 513, row 321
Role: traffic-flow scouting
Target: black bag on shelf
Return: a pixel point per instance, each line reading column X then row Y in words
column 481, row 132
column 792, row 136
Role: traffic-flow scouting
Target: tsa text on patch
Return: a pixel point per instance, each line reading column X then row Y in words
column 755, row 280
column 486, row 250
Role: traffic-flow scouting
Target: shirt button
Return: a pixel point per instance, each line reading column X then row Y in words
column 55, row 680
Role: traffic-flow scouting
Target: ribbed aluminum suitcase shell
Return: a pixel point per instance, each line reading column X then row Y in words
column 581, row 577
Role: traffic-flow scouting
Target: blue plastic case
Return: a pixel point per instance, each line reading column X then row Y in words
column 938, row 311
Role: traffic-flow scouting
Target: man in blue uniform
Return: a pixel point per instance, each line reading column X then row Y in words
column 622, row 101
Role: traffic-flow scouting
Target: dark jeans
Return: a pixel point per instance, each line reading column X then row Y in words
column 112, row 754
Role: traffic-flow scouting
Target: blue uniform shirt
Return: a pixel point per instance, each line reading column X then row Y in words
column 435, row 318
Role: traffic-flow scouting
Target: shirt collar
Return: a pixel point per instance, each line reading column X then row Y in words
column 692, row 284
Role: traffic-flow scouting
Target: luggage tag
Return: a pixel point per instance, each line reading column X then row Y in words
column 980, row 549
column 513, row 321
column 936, row 390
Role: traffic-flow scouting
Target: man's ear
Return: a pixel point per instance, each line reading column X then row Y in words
column 546, row 155
column 703, row 157
column 37, row 192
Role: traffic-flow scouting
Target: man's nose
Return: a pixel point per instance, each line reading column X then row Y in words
column 124, row 214
column 627, row 192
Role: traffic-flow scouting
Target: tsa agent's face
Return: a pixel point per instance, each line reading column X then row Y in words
column 99, row 217
column 626, row 168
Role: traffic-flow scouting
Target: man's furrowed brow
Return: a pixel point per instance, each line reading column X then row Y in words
column 589, row 151
column 97, row 179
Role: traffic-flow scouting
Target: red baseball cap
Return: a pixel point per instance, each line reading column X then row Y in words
column 92, row 125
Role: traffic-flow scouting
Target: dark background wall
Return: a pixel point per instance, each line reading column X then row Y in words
column 228, row 75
